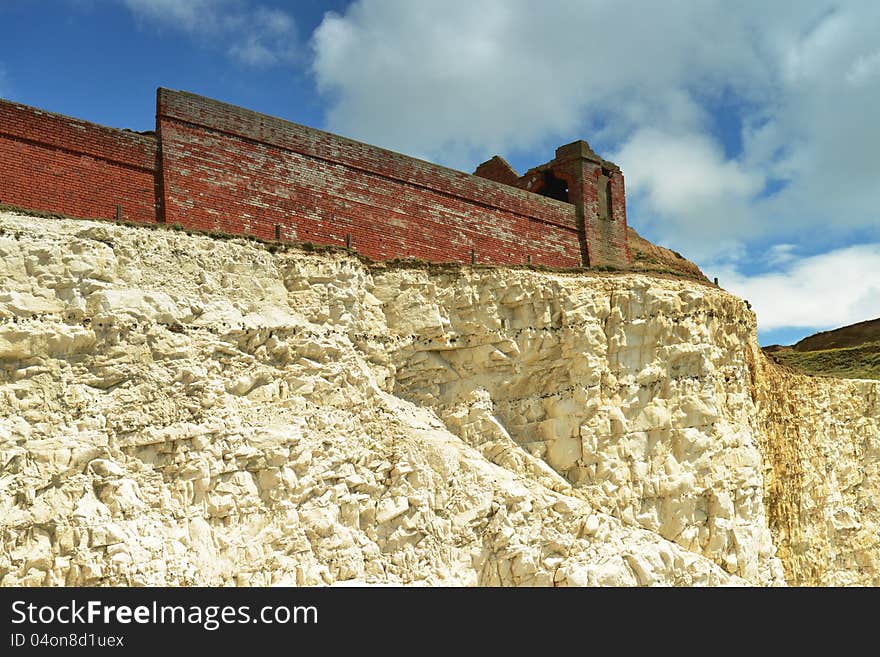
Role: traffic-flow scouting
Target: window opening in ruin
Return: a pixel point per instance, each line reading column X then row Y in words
column 554, row 187
column 604, row 190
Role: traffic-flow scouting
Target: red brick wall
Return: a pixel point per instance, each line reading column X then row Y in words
column 613, row 234
column 604, row 235
column 56, row 163
column 499, row 170
column 231, row 169
column 226, row 168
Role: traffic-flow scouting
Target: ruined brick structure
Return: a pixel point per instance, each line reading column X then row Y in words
column 593, row 185
column 214, row 166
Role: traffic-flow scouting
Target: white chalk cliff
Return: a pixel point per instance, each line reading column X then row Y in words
column 181, row 410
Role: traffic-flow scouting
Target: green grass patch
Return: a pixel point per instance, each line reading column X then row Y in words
column 861, row 362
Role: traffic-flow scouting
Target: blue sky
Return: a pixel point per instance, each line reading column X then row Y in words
column 747, row 131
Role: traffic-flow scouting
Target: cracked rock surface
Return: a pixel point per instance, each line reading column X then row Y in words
column 180, row 410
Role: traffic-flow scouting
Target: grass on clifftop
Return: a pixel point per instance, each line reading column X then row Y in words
column 651, row 258
column 860, row 362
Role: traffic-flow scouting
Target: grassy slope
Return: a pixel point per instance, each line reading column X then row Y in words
column 851, row 352
column 650, row 258
column 853, row 335
column 859, row 362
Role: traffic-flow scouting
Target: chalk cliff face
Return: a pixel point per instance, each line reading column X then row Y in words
column 181, row 410
column 821, row 441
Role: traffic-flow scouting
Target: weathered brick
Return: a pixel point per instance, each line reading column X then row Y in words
column 53, row 162
column 216, row 166
column 320, row 187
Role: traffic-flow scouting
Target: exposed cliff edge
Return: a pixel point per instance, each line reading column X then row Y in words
column 182, row 410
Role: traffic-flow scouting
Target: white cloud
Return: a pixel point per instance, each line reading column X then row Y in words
column 457, row 81
column 441, row 81
column 781, row 254
column 819, row 292
column 253, row 34
column 686, row 178
column 268, row 36
column 459, row 78
column 864, row 69
column 190, row 15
